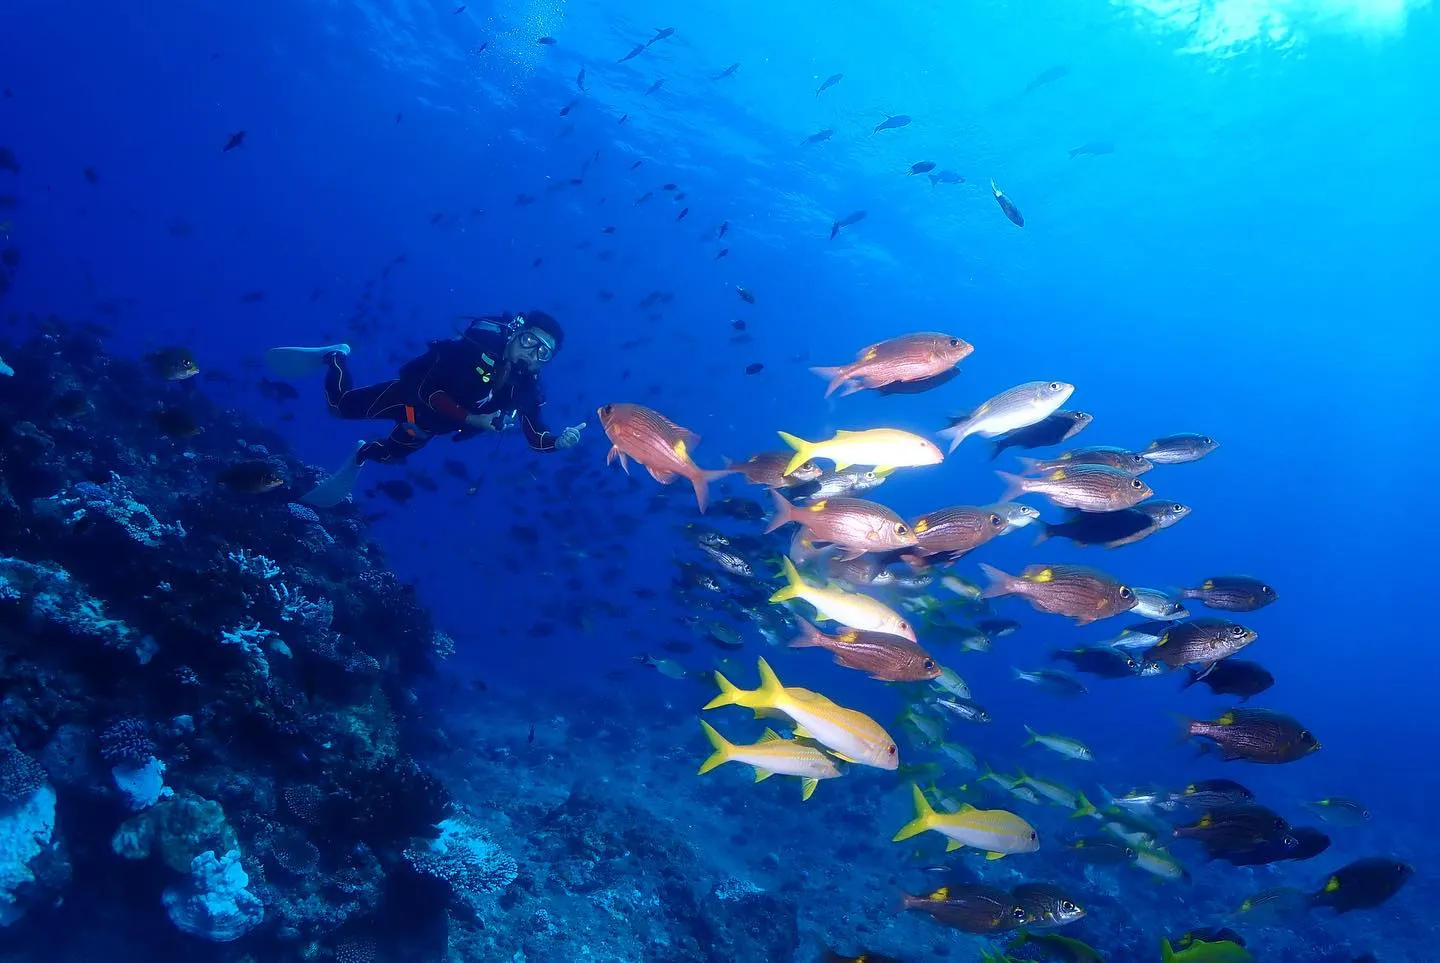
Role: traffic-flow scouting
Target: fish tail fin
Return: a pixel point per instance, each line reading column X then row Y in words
column 924, row 817
column 803, row 450
column 1014, row 486
column 730, row 694
column 809, row 637
column 1086, row 808
column 1034, row 736
column 784, row 512
column 722, row 746
column 700, row 480
column 793, row 584
column 995, row 449
column 1186, row 726
column 954, row 434
column 771, row 688
column 1047, row 532
column 1193, row 678
column 1000, row 582
column 1027, row 465
column 1074, row 152
column 835, row 376
column 1167, row 952
column 934, row 179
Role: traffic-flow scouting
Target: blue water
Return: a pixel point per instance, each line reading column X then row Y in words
column 1253, row 260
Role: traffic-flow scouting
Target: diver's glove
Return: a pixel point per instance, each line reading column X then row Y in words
column 570, row 437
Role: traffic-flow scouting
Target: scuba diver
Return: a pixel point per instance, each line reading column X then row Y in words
column 462, row 387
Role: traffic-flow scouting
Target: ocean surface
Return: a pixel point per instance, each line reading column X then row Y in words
column 1228, row 229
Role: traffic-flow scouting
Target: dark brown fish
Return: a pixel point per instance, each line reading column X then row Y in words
column 173, row 364
column 252, row 477
column 768, row 469
column 888, row 658
column 856, row 525
column 175, row 423
column 910, row 357
column 957, row 530
column 658, row 444
column 1090, row 488
column 1199, row 642
column 1233, row 593
column 1118, row 458
column 1256, row 735
column 969, row 908
column 1084, row 594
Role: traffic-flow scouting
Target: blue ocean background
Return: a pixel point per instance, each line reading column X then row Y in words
column 1255, row 260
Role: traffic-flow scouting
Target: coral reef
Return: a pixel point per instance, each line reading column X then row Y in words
column 208, row 691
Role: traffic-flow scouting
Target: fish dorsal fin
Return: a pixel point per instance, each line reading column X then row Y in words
column 770, row 735
column 1043, row 576
column 1057, row 475
column 1332, row 884
column 1208, row 584
column 994, row 855
column 842, row 433
column 800, row 733
column 818, row 506
column 1228, row 719
column 870, row 353
column 940, row 895
column 967, row 808
column 921, row 526
column 848, row 636
column 680, row 448
column 953, row 845
column 843, row 758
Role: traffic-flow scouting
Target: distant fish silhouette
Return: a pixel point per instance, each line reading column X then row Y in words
column 830, row 81
column 655, row 86
column 1094, row 147
column 1048, row 76
column 546, row 41
column 237, row 139
column 727, row 72
column 893, row 123
column 636, row 51
column 661, row 33
column 820, row 136
column 1007, row 205
column 848, row 220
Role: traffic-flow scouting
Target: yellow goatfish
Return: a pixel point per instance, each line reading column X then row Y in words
column 850, row 735
column 996, row 831
column 772, row 755
column 850, row 609
column 881, row 448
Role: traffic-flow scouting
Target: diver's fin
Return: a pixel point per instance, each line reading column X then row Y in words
column 338, row 487
column 298, row 362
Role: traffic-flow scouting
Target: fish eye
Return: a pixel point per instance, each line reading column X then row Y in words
column 1266, row 590
column 1206, row 440
column 905, row 625
column 954, row 342
column 1125, row 592
column 607, row 409
column 1129, row 853
column 996, row 520
column 902, row 529
column 928, row 664
column 1054, row 386
column 1019, row 913
column 1068, row 906
column 1032, row 836
column 890, row 749
column 1136, row 484
column 1237, row 630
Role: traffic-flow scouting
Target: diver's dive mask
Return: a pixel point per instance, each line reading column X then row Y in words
column 537, row 343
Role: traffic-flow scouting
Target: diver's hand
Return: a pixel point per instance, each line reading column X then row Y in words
column 482, row 422
column 570, row 437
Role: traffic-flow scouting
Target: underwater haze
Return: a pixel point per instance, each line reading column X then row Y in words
column 454, row 712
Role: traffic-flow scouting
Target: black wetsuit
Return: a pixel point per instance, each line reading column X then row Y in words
column 436, row 391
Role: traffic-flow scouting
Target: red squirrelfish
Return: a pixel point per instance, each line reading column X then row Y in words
column 656, row 442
